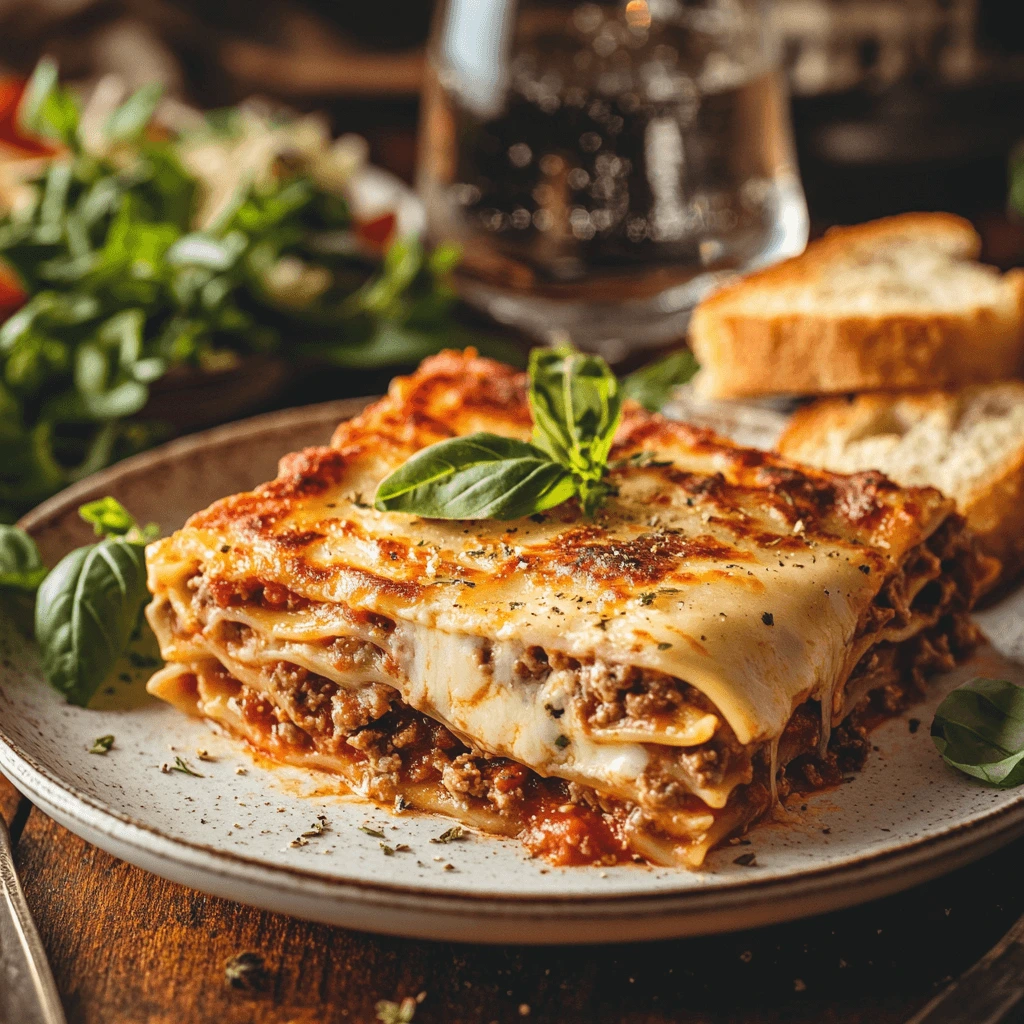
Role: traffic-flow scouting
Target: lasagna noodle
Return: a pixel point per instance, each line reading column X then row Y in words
column 653, row 657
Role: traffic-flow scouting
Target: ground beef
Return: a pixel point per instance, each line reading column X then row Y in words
column 505, row 785
column 382, row 764
column 532, row 664
column 612, row 693
column 290, row 735
column 463, row 777
column 322, row 708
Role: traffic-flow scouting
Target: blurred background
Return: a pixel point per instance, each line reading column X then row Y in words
column 897, row 104
column 596, row 166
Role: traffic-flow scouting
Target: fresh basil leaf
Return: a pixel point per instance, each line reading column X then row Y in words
column 55, row 196
column 202, row 250
column 53, row 309
column 90, row 370
column 109, row 518
column 41, row 84
column 131, row 119
column 86, row 610
column 124, row 331
column 46, row 108
column 444, row 259
column 402, row 262
column 576, row 406
column 124, row 399
column 136, row 245
column 63, row 117
column 979, row 730
column 148, row 370
column 72, row 309
column 576, row 409
column 100, row 200
column 482, row 476
column 18, row 325
column 652, row 385
column 21, row 567
column 79, row 248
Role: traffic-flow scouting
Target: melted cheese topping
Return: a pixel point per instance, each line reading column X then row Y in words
column 741, row 574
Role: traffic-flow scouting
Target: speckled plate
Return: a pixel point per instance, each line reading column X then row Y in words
column 904, row 819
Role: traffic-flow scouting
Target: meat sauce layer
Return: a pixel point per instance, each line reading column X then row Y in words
column 395, row 756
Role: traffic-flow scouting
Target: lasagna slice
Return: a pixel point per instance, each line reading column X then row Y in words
column 642, row 684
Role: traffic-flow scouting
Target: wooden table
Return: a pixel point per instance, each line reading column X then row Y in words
column 127, row 947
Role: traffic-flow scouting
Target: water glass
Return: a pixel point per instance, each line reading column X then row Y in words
column 604, row 164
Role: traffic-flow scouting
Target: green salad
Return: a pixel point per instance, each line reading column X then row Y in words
column 141, row 248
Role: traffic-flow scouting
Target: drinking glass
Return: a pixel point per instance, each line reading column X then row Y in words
column 602, row 165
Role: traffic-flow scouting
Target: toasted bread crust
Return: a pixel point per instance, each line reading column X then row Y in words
column 993, row 506
column 810, row 424
column 996, row 515
column 744, row 354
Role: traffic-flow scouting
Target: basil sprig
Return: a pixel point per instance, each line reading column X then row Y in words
column 979, row 730
column 576, row 404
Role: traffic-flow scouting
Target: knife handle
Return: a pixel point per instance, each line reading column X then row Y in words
column 28, row 994
column 987, row 993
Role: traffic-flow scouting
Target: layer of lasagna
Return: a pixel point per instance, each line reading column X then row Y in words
column 642, row 684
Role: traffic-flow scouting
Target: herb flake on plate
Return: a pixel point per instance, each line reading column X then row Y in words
column 450, row 835
column 181, row 765
column 102, row 744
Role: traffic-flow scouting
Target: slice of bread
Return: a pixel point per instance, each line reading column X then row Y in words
column 898, row 303
column 967, row 443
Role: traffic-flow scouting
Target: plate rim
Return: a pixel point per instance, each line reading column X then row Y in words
column 535, row 920
column 695, row 911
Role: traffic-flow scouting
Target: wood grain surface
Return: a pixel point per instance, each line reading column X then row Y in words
column 10, row 799
column 130, row 948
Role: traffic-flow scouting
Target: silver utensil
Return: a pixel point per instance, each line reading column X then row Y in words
column 28, row 994
column 987, row 993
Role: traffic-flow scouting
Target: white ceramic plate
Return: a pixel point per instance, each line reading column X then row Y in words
column 905, row 818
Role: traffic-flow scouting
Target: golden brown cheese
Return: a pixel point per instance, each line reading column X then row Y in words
column 732, row 569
